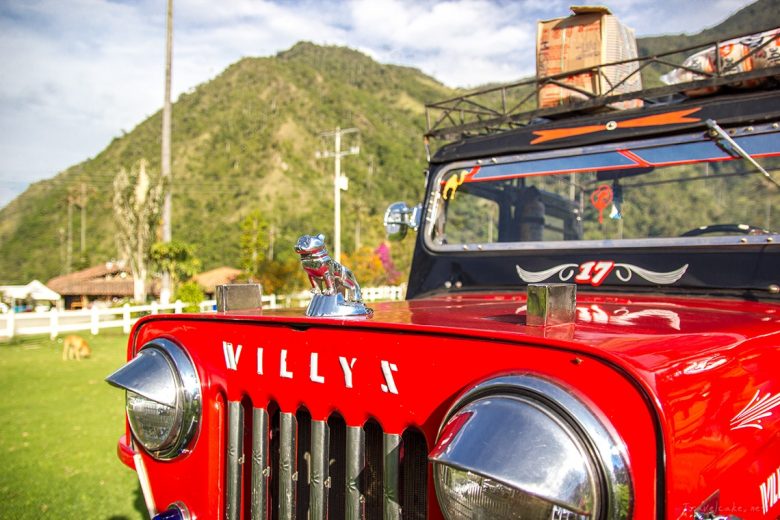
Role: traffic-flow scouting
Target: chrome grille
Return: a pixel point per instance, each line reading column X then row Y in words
column 308, row 469
column 235, row 459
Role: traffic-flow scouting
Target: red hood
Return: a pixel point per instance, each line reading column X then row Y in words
column 648, row 334
column 676, row 376
column 675, row 347
column 704, row 363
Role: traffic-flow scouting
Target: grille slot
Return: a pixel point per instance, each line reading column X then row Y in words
column 305, row 469
column 414, row 476
column 371, row 477
column 337, row 467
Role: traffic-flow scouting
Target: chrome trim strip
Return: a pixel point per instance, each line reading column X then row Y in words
column 320, row 478
column 391, row 446
column 235, row 459
column 723, row 241
column 146, row 486
column 288, row 470
column 261, row 469
column 356, row 461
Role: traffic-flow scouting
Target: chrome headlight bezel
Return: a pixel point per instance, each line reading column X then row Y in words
column 162, row 376
column 605, row 452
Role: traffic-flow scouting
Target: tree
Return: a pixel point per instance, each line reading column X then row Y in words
column 175, row 258
column 366, row 264
column 137, row 205
column 283, row 274
column 191, row 294
column 280, row 272
column 254, row 243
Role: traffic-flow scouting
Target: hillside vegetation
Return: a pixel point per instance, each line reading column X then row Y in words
column 246, row 141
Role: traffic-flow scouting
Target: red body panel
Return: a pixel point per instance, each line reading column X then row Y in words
column 673, row 377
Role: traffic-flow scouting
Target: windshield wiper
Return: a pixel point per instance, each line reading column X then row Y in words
column 727, row 142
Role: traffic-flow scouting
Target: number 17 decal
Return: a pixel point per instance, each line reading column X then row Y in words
column 594, row 273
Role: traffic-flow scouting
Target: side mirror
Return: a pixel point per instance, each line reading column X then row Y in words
column 399, row 218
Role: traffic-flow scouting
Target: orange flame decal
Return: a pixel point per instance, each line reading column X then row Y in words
column 669, row 118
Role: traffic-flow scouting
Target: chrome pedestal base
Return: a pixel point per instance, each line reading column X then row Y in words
column 334, row 305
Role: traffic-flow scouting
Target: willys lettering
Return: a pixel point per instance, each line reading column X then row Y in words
column 770, row 491
column 286, row 371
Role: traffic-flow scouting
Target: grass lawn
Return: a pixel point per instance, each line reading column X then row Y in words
column 59, row 425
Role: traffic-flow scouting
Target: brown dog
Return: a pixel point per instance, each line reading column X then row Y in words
column 75, row 347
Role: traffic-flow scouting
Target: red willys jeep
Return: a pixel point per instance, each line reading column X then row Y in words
column 591, row 331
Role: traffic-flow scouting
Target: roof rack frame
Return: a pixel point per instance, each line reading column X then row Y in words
column 472, row 114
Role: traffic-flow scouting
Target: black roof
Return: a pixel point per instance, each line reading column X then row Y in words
column 675, row 116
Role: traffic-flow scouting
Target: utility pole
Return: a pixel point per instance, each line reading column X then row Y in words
column 360, row 205
column 165, row 290
column 78, row 197
column 339, row 182
column 361, row 202
column 63, row 246
column 271, row 240
column 83, row 203
column 69, row 251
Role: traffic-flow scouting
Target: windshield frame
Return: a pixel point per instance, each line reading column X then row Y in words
column 433, row 201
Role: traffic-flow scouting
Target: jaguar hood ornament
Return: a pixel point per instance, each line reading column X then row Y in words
column 336, row 292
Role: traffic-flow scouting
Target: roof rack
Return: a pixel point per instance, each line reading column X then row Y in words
column 501, row 108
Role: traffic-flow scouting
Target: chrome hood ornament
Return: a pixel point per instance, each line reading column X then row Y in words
column 336, row 292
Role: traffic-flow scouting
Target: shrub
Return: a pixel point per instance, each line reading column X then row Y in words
column 191, row 294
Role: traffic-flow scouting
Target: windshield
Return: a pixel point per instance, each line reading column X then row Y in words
column 688, row 188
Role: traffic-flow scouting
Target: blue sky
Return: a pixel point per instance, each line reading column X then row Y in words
column 75, row 74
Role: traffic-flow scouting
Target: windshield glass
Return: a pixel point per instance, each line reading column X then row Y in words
column 688, row 188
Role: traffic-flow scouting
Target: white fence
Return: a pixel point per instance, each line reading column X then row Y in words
column 56, row 322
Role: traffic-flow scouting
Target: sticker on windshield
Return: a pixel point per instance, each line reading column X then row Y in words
column 596, row 272
column 451, row 185
column 601, row 198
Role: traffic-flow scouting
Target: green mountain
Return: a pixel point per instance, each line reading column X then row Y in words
column 246, row 140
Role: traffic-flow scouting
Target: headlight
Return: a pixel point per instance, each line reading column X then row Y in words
column 522, row 447
column 163, row 398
